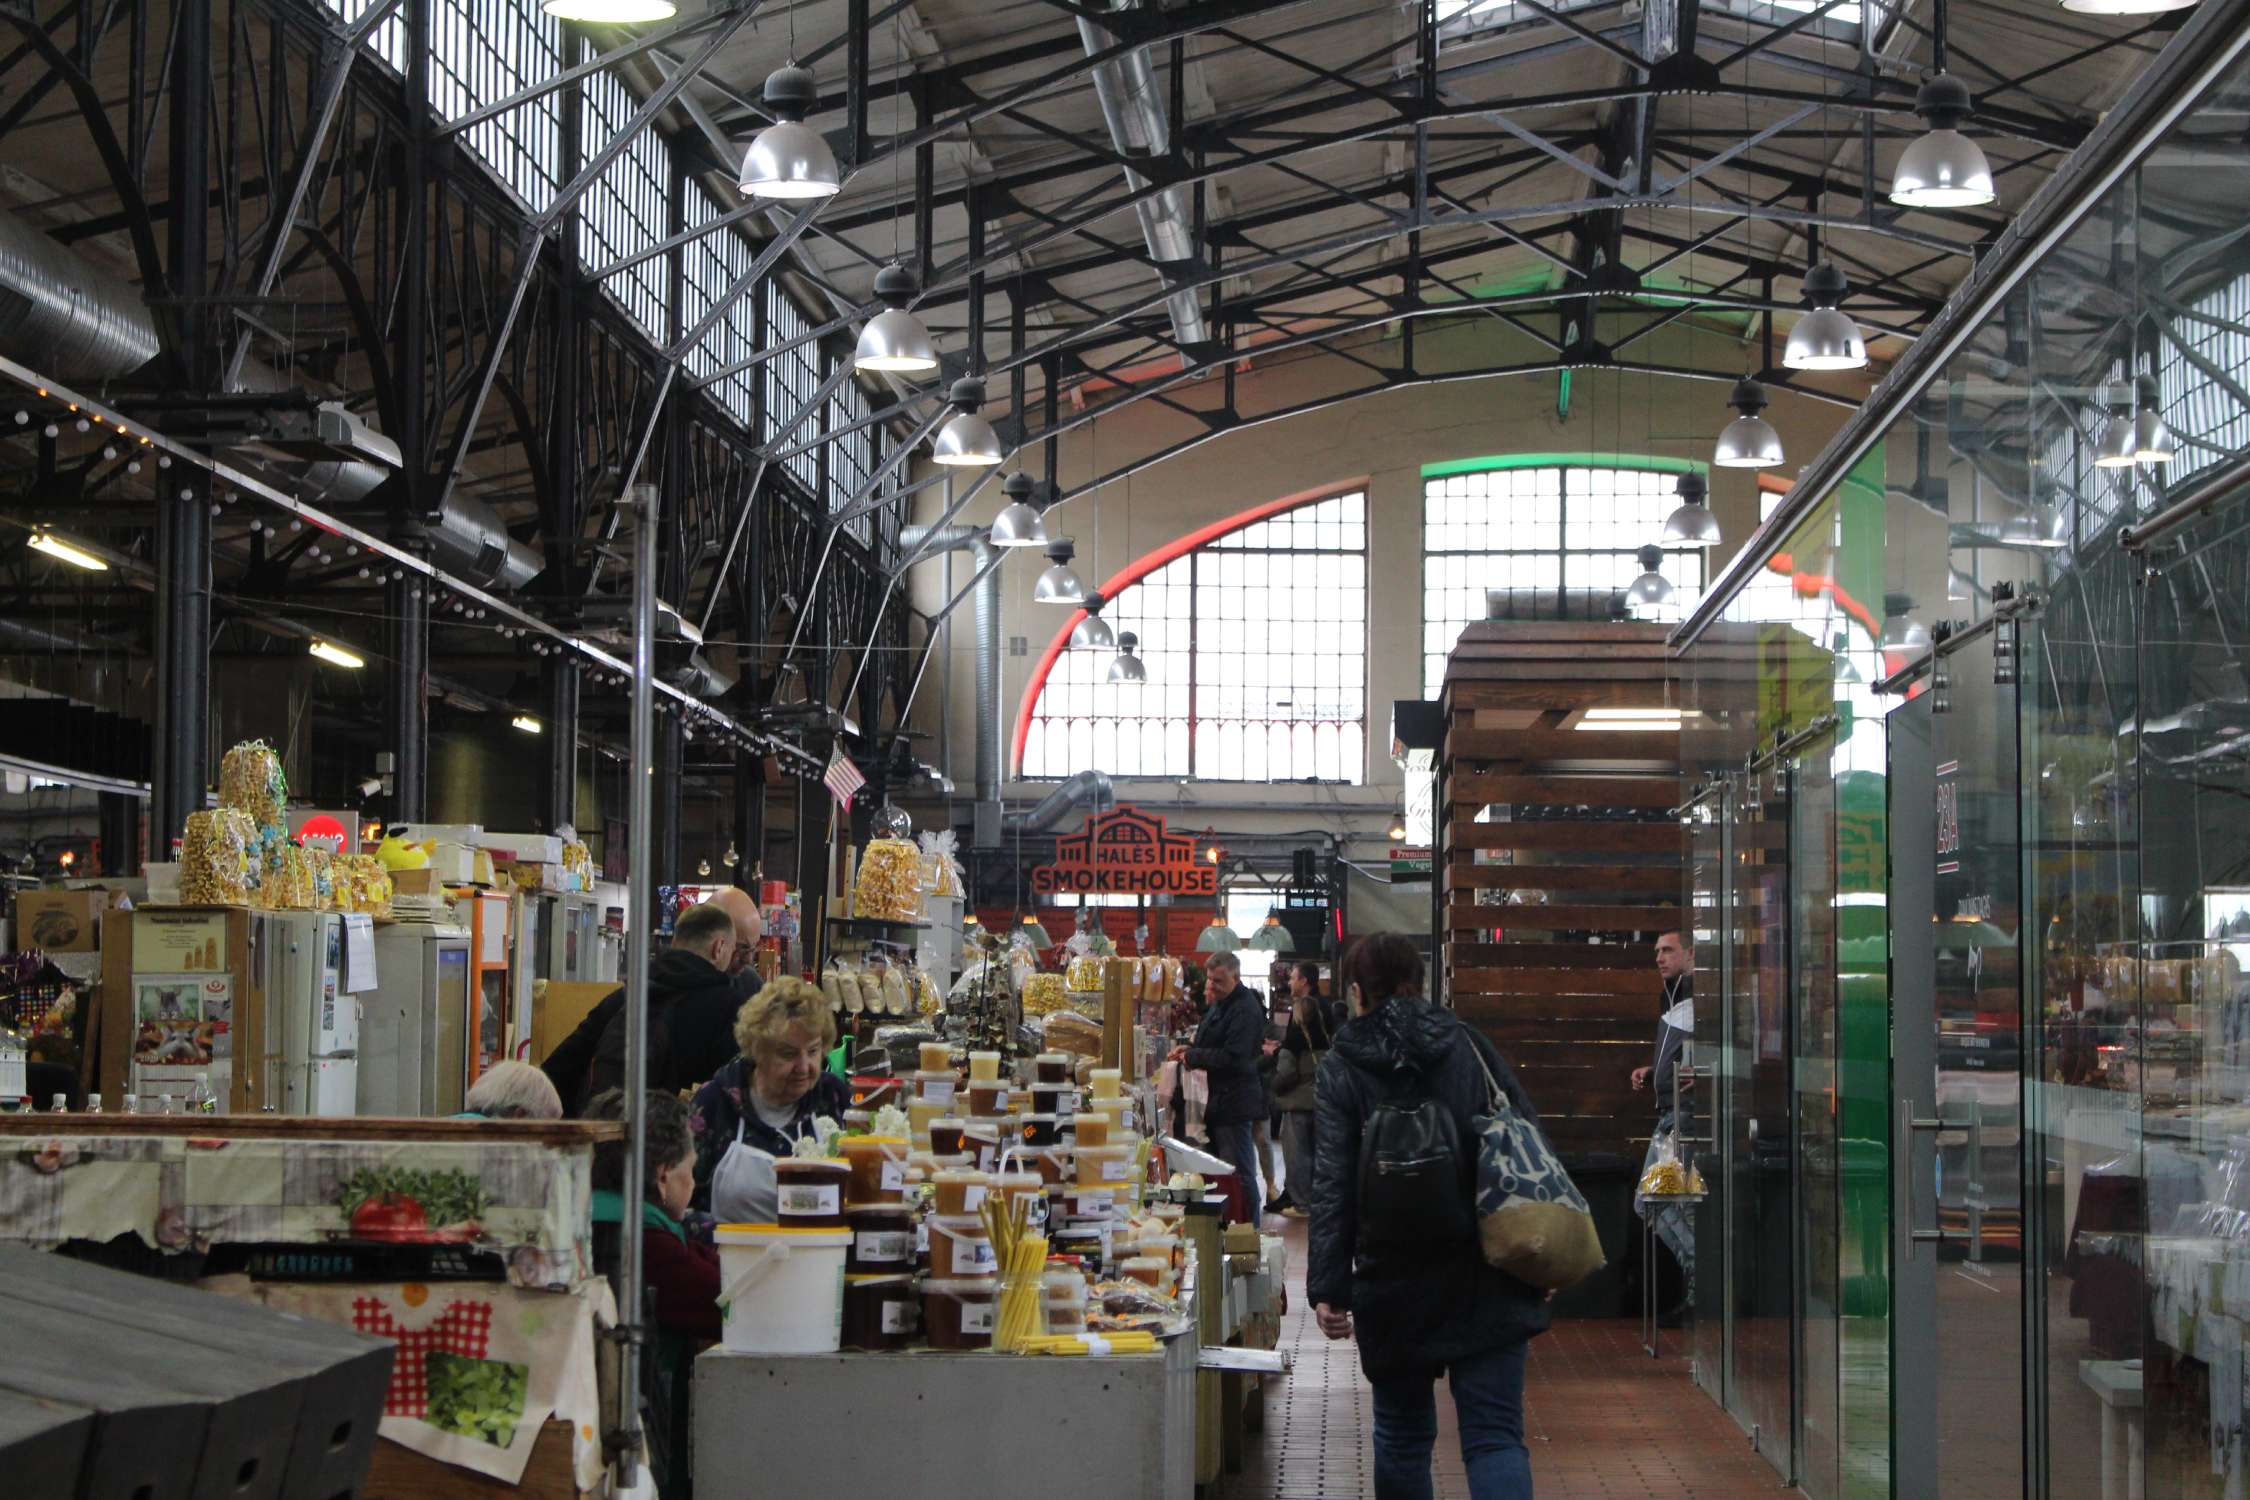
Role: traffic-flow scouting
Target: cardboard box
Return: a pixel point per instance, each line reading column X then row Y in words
column 523, row 848
column 62, row 921
column 444, row 833
column 454, row 864
column 415, row 882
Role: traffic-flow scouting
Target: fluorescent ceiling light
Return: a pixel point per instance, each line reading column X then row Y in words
column 1674, row 714
column 69, row 552
column 336, row 655
column 526, row 723
column 610, row 12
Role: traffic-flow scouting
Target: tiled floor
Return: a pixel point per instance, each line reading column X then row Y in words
column 1602, row 1420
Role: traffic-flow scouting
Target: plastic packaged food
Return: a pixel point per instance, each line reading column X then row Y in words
column 320, row 865
column 809, row 1191
column 988, row 1097
column 927, row 1000
column 890, row 881
column 880, row 1311
column 1085, row 973
column 832, row 987
column 1068, row 1031
column 251, row 782
column 937, row 1057
column 1091, row 1128
column 1044, row 994
column 1104, row 1166
column 362, row 885
column 218, row 858
column 289, row 883
column 960, row 1247
column 1039, row 1130
column 960, row 1314
column 959, row 1192
column 945, row 1135
column 938, row 1087
column 878, row 1168
column 984, row 1067
column 1057, row 1099
column 882, row 1239
column 1148, row 1270
column 1051, row 1067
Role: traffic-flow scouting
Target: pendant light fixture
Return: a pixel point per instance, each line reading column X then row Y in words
column 1127, row 667
column 789, row 159
column 1943, row 168
column 610, row 12
column 1749, row 441
column 2136, row 435
column 967, row 440
column 1823, row 337
column 895, row 340
column 1651, row 588
column 1271, row 936
column 1396, row 830
column 1691, row 524
column 1093, row 633
column 1018, row 524
column 1060, row 584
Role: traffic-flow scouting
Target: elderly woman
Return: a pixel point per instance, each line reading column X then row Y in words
column 757, row 1107
column 512, row 1091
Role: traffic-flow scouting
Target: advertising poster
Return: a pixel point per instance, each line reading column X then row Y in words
column 180, row 942
column 183, row 1033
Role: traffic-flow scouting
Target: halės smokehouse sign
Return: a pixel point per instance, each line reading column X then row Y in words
column 1128, row 852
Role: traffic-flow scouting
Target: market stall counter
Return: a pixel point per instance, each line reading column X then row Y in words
column 465, row 1243
column 946, row 1426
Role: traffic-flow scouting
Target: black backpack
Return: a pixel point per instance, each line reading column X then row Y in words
column 1413, row 1173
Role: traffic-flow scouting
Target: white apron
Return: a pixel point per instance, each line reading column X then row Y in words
column 743, row 1187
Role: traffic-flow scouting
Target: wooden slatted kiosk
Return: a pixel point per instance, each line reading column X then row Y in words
column 1560, row 860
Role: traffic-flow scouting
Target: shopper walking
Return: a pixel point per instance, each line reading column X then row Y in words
column 1417, row 1309
column 1303, row 1045
column 1227, row 1048
column 1675, row 962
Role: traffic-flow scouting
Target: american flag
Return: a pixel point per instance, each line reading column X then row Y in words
column 842, row 778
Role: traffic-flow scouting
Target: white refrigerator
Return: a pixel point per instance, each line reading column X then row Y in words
column 310, row 1047
column 414, row 1037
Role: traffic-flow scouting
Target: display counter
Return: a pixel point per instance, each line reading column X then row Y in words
column 944, row 1426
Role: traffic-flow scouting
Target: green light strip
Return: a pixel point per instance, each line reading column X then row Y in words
column 1566, row 460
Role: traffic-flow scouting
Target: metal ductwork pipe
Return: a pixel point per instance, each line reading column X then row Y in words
column 1092, row 788
column 1133, row 109
column 470, row 535
column 65, row 317
column 986, row 603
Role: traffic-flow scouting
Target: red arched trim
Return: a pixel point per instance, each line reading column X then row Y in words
column 1139, row 568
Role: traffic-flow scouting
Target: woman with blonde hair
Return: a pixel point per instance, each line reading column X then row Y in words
column 758, row 1106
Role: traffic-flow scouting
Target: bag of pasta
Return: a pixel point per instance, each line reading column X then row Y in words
column 251, row 781
column 218, row 858
column 320, row 871
column 890, row 881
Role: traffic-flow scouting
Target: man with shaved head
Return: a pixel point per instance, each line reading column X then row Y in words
column 749, row 929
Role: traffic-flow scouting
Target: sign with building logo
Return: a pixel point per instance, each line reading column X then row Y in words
column 1129, row 852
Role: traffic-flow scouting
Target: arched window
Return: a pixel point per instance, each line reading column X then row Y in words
column 1541, row 527
column 1255, row 639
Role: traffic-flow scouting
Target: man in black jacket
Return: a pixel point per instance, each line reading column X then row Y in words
column 1675, row 964
column 1227, row 1048
column 691, row 1010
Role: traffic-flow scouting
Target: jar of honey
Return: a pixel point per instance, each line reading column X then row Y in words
column 937, row 1057
column 880, row 1312
column 1149, row 1270
column 1039, row 1130
column 984, row 1067
column 1019, row 1184
column 1052, row 1163
column 1058, row 1099
column 945, row 1135
column 988, row 1097
column 1051, row 1067
column 809, row 1192
column 959, row 1247
column 1091, row 1128
column 959, row 1192
column 882, row 1240
column 938, row 1086
column 959, row 1314
column 981, row 1140
column 1108, row 1083
column 878, row 1168
column 1104, row 1166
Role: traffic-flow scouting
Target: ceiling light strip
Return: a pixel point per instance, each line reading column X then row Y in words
column 251, row 484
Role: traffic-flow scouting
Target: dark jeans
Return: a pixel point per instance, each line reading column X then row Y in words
column 1488, row 1400
column 1236, row 1144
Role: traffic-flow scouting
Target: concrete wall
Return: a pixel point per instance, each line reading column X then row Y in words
column 1386, row 437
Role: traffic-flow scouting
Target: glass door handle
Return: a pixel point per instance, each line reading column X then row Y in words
column 1908, row 1124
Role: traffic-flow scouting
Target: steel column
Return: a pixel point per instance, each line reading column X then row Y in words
column 558, row 780
column 119, row 815
column 406, row 696
column 183, row 644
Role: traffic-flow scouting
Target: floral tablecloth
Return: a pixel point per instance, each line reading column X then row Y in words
column 480, row 1367
column 528, row 1202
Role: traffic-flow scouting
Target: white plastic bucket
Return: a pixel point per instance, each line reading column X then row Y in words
column 781, row 1290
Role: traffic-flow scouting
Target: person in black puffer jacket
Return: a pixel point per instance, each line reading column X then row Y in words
column 1228, row 1047
column 691, row 1010
column 1443, row 1310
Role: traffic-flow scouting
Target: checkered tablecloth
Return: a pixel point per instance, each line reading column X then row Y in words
column 549, row 1339
column 182, row 1193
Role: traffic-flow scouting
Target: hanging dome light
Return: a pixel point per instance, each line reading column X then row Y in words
column 1846, row 672
column 2152, row 441
column 967, row 440
column 1651, row 588
column 1060, row 584
column 2117, row 446
column 1018, row 524
column 1824, row 338
column 894, row 340
column 1943, row 168
column 1127, row 667
column 1902, row 633
column 1093, row 632
column 2124, row 7
column 610, row 12
column 789, row 159
column 1691, row 524
column 1749, row 441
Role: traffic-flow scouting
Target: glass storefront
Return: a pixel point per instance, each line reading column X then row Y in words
column 1974, row 921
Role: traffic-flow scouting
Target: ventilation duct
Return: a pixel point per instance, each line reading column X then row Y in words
column 1133, row 109
column 474, row 542
column 64, row 317
column 929, row 541
column 1090, row 788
